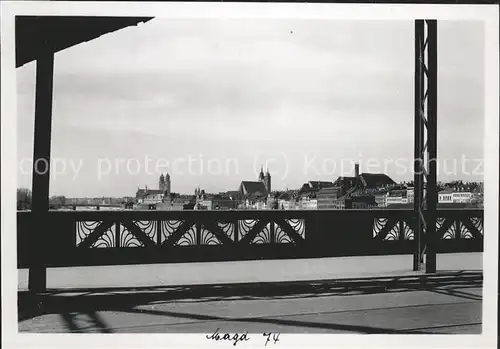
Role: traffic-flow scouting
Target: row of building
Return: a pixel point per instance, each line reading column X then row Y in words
column 365, row 190
column 361, row 191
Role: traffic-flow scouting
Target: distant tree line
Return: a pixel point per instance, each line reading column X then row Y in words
column 23, row 199
column 56, row 202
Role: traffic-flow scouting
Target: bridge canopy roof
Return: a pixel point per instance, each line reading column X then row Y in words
column 38, row 35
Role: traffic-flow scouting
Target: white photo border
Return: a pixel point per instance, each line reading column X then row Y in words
column 489, row 14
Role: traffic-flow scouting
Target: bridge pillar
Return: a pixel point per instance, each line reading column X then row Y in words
column 37, row 281
column 432, row 195
column 425, row 167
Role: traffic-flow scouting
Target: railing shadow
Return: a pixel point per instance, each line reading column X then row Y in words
column 91, row 301
column 92, row 319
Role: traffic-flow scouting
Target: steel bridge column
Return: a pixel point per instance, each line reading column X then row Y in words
column 418, row 155
column 425, row 147
column 37, row 281
column 432, row 196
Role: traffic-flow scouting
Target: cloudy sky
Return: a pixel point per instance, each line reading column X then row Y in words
column 211, row 100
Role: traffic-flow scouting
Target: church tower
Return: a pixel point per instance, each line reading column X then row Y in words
column 161, row 183
column 267, row 181
column 261, row 174
column 168, row 189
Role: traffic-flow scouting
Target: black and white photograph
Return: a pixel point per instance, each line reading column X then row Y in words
column 240, row 174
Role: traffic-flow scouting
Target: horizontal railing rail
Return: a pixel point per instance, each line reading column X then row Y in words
column 125, row 237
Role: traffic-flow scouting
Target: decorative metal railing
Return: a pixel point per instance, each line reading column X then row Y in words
column 120, row 237
column 450, row 224
column 185, row 232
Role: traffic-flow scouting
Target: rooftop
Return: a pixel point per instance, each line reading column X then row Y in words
column 328, row 190
column 253, row 188
column 375, row 180
column 144, row 192
column 320, row 184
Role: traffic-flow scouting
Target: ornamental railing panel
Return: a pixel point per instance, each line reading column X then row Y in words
column 164, row 233
column 110, row 237
column 450, row 224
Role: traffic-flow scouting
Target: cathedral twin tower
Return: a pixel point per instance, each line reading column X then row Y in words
column 265, row 179
column 164, row 184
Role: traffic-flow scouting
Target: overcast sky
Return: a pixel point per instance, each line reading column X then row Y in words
column 309, row 95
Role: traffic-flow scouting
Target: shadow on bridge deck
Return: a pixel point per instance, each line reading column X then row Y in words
column 67, row 303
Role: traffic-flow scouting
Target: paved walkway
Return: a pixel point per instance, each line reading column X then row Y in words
column 367, row 295
column 246, row 271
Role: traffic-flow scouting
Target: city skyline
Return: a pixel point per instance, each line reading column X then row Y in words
column 226, row 89
column 278, row 190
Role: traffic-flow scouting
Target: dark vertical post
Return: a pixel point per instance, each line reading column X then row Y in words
column 117, row 234
column 158, row 232
column 198, row 232
column 401, row 224
column 37, row 281
column 418, row 161
column 236, row 230
column 432, row 196
column 272, row 232
column 458, row 234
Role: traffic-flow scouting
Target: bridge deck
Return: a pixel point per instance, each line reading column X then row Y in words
column 361, row 304
column 245, row 271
